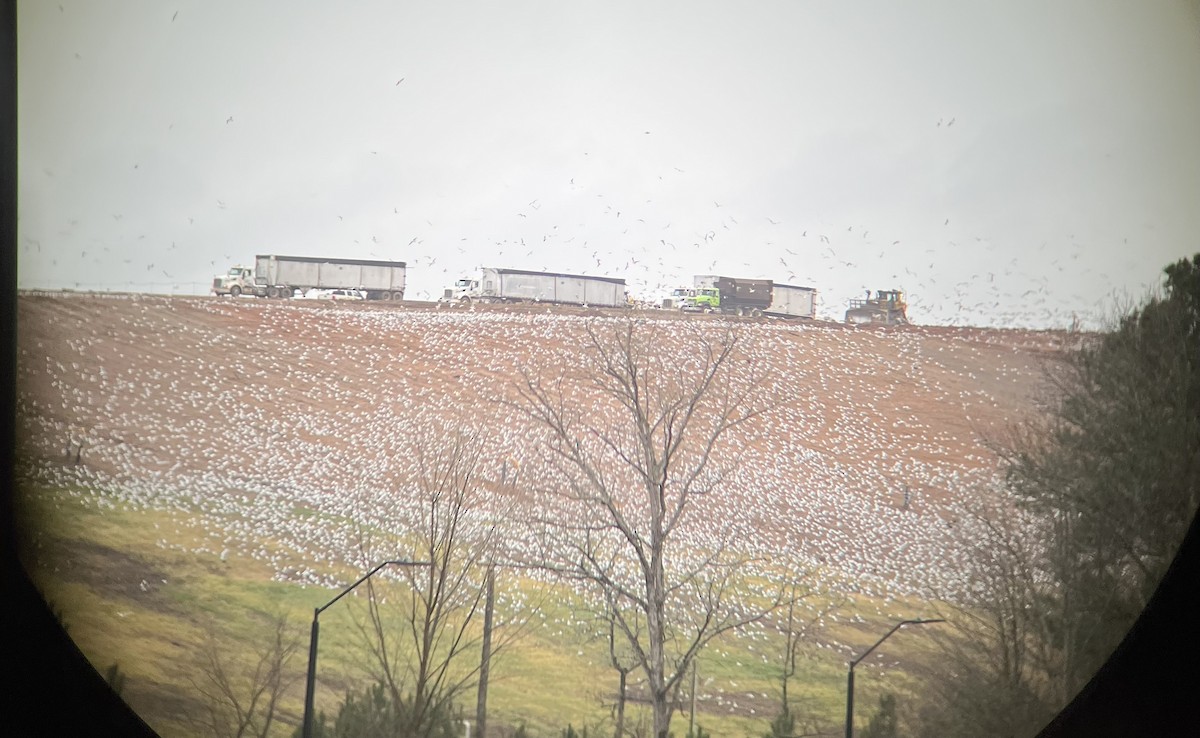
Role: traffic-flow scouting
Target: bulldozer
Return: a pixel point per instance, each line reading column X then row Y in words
column 887, row 307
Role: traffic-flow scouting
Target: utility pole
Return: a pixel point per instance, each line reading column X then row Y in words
column 485, row 660
column 692, row 711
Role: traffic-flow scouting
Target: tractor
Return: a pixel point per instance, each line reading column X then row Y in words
column 886, row 308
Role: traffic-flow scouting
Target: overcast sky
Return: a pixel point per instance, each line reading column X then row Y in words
column 1006, row 163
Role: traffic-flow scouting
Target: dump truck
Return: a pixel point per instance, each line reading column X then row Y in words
column 731, row 296
column 887, row 307
column 748, row 297
column 518, row 285
column 279, row 276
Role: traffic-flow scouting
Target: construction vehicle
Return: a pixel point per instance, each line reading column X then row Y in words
column 281, row 276
column 886, row 308
column 518, row 285
column 749, row 297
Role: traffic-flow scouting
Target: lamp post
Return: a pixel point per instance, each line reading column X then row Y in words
column 850, row 678
column 312, row 644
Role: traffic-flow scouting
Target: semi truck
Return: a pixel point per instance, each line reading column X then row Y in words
column 279, row 276
column 518, row 285
column 748, row 297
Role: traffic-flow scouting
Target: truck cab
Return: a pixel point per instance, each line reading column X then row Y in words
column 705, row 299
column 678, row 298
column 464, row 290
column 238, row 280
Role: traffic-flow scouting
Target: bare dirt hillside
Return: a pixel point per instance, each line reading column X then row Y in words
column 287, row 420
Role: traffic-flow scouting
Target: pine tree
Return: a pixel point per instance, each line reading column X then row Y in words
column 883, row 722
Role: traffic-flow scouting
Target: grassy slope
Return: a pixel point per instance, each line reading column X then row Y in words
column 553, row 675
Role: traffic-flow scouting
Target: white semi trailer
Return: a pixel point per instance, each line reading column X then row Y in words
column 518, row 285
column 280, row 276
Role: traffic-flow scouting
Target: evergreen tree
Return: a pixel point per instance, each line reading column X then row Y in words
column 883, row 722
column 1116, row 469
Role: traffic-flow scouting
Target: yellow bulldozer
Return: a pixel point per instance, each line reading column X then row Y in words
column 887, row 307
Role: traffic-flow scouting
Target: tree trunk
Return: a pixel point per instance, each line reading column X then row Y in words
column 656, row 622
column 620, row 708
column 485, row 662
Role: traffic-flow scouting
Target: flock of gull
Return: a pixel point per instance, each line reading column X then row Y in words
column 282, row 431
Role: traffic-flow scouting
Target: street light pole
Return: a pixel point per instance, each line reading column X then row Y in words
column 311, row 680
column 850, row 676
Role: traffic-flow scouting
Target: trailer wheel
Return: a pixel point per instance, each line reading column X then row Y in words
column 397, row 296
column 756, row 313
column 285, row 292
column 235, row 291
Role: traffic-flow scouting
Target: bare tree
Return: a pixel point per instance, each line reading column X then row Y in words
column 622, row 665
column 633, row 441
column 795, row 625
column 999, row 651
column 435, row 660
column 239, row 702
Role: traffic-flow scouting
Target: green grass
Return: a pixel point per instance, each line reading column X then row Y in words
column 90, row 561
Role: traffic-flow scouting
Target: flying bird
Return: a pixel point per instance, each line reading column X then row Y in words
column 172, row 17
column 399, row 81
column 229, row 120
